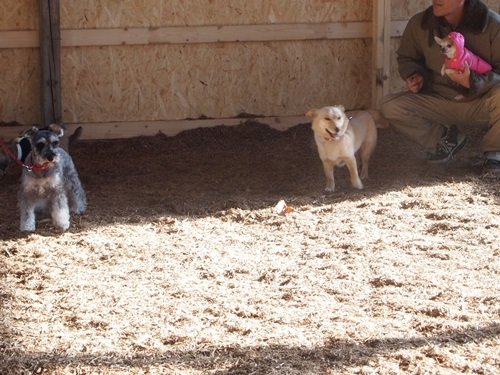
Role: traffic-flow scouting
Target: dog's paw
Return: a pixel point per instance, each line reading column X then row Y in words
column 27, row 228
column 330, row 189
column 357, row 184
column 62, row 227
column 79, row 210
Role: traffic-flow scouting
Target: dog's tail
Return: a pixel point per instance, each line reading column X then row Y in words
column 73, row 138
column 68, row 142
column 4, row 163
column 380, row 120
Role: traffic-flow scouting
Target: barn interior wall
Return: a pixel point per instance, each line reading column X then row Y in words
column 18, row 14
column 157, row 13
column 216, row 80
column 19, row 67
column 161, row 82
column 188, row 81
column 182, row 81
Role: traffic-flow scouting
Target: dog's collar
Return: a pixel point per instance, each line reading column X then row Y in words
column 30, row 167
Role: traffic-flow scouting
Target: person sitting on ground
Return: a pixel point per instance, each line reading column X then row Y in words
column 434, row 106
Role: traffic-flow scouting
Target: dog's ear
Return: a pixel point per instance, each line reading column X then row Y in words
column 58, row 129
column 341, row 107
column 312, row 113
column 438, row 40
column 28, row 133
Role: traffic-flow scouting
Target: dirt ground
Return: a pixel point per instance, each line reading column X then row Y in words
column 182, row 266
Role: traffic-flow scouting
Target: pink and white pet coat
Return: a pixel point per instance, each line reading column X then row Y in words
column 463, row 55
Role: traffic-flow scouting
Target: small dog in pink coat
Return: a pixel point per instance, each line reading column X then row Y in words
column 456, row 55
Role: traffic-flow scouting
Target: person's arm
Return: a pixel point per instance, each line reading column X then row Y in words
column 481, row 83
column 411, row 63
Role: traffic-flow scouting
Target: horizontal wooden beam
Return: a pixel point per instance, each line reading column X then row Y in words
column 129, row 129
column 199, row 34
column 19, row 39
column 214, row 34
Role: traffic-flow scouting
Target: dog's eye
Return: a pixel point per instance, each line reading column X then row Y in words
column 448, row 45
column 327, row 119
column 40, row 146
column 55, row 143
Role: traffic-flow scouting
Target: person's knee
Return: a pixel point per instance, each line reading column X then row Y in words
column 492, row 101
column 495, row 95
column 392, row 106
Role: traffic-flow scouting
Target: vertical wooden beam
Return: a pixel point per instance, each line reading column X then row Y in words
column 381, row 50
column 50, row 61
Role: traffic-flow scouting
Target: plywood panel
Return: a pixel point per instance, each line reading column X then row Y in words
column 156, row 13
column 142, row 83
column 19, row 91
column 212, row 34
column 404, row 9
column 194, row 34
column 18, row 15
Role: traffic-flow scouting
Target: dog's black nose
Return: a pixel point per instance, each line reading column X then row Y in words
column 51, row 156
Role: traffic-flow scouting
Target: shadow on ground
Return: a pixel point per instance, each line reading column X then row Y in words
column 201, row 172
column 335, row 354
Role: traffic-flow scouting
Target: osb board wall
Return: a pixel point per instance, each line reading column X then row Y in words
column 130, row 83
column 89, row 14
column 19, row 68
column 18, row 14
column 165, row 82
column 404, row 9
column 135, row 83
column 155, row 13
column 20, row 85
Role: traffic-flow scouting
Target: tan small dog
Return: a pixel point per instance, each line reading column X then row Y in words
column 339, row 137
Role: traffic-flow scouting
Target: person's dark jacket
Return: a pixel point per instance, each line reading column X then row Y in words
column 418, row 52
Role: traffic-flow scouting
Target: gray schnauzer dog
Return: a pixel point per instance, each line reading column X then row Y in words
column 49, row 181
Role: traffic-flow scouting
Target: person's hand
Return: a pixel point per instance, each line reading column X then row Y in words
column 415, row 82
column 462, row 78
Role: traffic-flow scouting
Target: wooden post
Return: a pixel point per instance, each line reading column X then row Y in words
column 50, row 62
column 381, row 50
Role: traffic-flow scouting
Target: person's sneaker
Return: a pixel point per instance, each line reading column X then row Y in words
column 451, row 142
column 491, row 169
